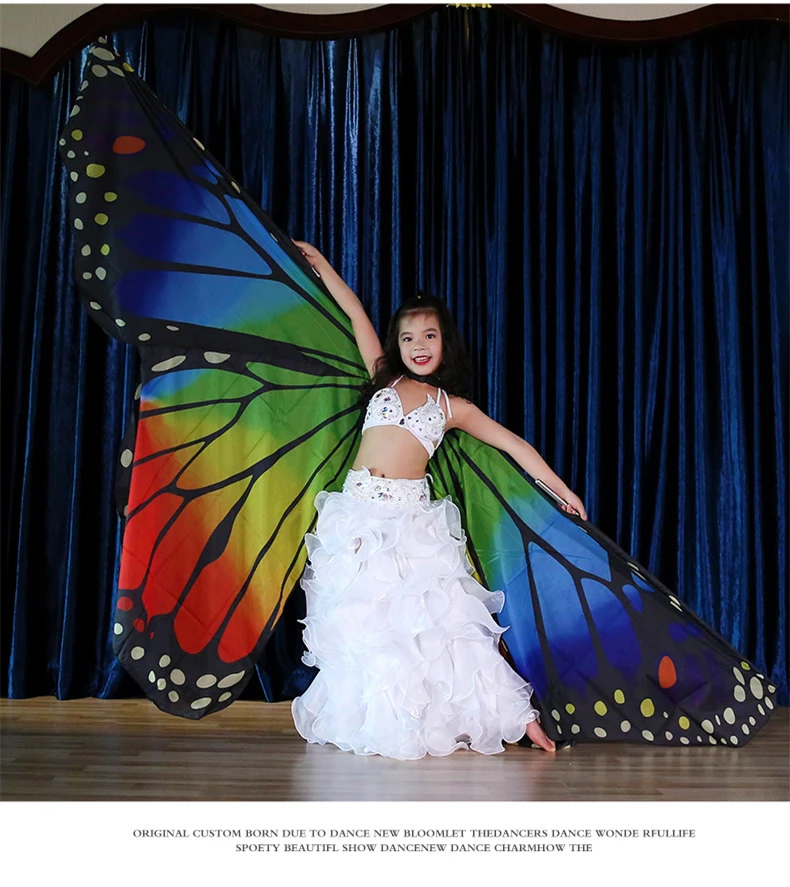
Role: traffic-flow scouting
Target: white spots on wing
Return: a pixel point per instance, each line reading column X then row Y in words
column 206, row 680
column 164, row 661
column 96, row 306
column 144, row 337
column 99, row 70
column 169, row 364
column 120, row 322
column 177, row 676
column 137, row 653
column 81, row 197
column 230, row 680
column 172, row 328
column 126, row 458
column 117, row 628
column 215, row 356
column 202, row 702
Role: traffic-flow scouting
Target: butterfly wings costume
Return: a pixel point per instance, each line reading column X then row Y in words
column 249, row 407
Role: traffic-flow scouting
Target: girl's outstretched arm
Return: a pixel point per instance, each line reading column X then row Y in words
column 474, row 421
column 366, row 336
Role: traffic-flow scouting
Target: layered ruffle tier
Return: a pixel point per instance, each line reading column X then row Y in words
column 401, row 631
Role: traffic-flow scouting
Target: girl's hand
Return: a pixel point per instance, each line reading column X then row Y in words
column 575, row 505
column 311, row 254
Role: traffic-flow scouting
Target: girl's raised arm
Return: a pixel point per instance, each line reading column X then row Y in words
column 474, row 421
column 367, row 339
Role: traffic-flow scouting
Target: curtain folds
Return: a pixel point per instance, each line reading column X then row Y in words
column 609, row 226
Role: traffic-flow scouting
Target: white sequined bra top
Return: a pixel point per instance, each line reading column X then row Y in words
column 426, row 422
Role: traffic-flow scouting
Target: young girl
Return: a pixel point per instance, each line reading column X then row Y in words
column 402, row 633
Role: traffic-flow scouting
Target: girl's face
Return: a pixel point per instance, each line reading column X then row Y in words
column 420, row 342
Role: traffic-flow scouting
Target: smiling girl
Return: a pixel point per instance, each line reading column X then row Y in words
column 401, row 631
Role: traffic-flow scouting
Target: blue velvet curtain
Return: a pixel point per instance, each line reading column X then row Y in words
column 608, row 224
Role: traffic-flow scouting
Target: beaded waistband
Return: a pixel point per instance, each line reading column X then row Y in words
column 361, row 484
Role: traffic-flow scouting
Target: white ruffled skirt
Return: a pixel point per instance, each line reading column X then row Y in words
column 401, row 632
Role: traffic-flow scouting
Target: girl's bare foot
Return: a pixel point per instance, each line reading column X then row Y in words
column 536, row 734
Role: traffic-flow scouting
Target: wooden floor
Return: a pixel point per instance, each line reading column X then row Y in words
column 127, row 750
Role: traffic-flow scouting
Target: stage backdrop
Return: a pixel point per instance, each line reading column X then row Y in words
column 609, row 226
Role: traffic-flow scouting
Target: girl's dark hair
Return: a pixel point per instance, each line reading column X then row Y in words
column 455, row 373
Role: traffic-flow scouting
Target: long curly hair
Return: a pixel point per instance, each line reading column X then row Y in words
column 455, row 372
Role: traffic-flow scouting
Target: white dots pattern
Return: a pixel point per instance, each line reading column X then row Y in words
column 230, row 680
column 169, row 364
column 205, row 681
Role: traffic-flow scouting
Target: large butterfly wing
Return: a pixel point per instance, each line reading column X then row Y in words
column 610, row 652
column 248, row 404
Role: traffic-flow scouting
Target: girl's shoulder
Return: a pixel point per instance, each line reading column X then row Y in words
column 459, row 407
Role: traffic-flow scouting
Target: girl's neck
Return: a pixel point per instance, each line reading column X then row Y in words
column 430, row 379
